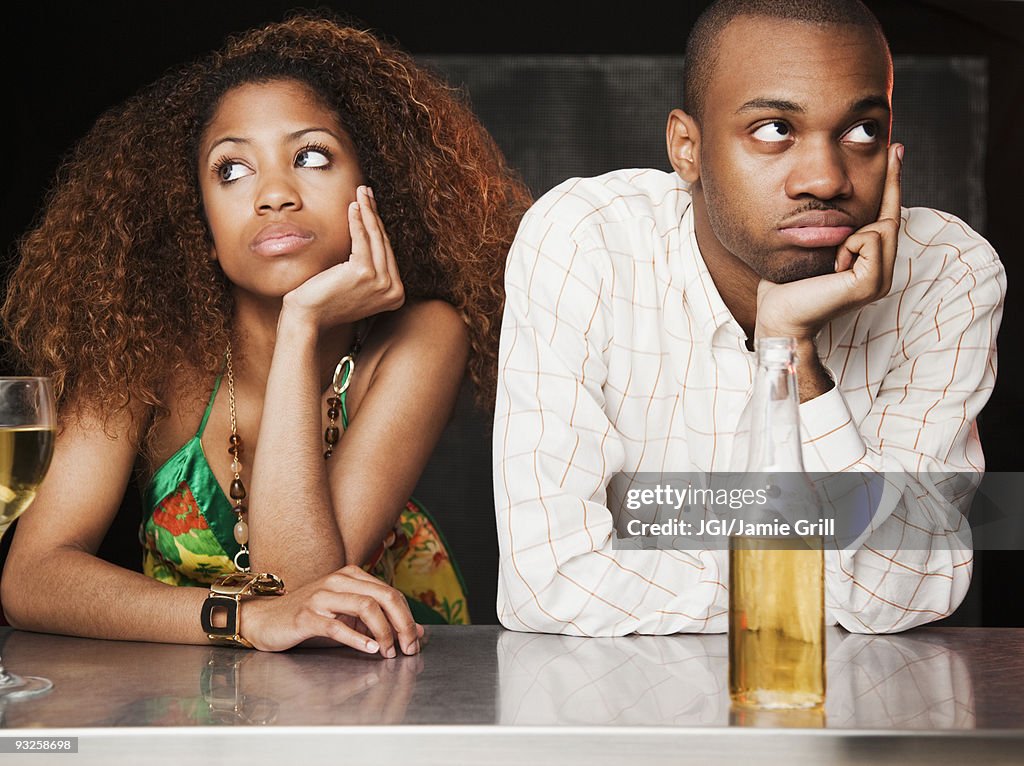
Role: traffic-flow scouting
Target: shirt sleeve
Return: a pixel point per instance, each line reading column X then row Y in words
column 555, row 451
column 912, row 563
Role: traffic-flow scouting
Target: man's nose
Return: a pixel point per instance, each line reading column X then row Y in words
column 818, row 170
column 276, row 191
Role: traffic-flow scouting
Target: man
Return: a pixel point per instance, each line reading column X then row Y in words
column 634, row 299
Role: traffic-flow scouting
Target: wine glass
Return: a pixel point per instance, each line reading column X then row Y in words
column 27, row 431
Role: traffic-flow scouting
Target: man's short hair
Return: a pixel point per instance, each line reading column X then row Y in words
column 702, row 44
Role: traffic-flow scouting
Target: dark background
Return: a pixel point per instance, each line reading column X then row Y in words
column 76, row 63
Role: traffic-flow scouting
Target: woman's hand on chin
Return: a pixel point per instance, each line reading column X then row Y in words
column 366, row 284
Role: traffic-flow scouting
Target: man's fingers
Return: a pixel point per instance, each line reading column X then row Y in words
column 890, row 217
column 891, row 193
column 844, row 258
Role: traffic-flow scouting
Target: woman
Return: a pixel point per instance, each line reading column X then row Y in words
column 258, row 285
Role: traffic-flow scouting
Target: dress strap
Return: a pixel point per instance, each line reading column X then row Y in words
column 209, row 407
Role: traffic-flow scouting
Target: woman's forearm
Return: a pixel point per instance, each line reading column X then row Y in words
column 292, row 528
column 75, row 593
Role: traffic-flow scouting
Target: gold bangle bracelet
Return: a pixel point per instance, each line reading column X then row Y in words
column 227, row 593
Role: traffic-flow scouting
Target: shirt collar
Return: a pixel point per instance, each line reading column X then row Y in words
column 699, row 292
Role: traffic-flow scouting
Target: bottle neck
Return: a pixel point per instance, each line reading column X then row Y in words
column 775, row 444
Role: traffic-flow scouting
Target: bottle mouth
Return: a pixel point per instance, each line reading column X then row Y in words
column 775, row 350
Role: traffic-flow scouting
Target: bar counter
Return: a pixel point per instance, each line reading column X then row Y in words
column 485, row 695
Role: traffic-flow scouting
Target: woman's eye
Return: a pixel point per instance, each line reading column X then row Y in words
column 773, row 132
column 865, row 133
column 312, row 158
column 229, row 170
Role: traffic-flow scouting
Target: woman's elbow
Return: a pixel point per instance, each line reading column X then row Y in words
column 15, row 594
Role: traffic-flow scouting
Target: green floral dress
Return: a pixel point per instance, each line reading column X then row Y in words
column 187, row 537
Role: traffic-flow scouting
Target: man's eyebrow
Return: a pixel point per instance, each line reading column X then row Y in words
column 770, row 104
column 781, row 105
column 871, row 102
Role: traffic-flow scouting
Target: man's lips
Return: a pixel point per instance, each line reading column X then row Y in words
column 280, row 239
column 817, row 228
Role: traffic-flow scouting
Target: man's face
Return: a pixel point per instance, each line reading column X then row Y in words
column 793, row 142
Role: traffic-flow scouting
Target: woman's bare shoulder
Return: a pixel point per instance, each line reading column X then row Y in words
column 422, row 339
column 424, row 322
column 186, row 393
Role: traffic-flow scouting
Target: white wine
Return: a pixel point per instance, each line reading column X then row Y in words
column 776, row 622
column 25, row 453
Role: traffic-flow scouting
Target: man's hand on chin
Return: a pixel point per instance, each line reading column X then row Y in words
column 864, row 268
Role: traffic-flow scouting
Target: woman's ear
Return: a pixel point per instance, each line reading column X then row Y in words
column 683, row 138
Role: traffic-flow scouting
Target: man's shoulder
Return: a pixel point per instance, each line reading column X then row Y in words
column 940, row 241
column 629, row 195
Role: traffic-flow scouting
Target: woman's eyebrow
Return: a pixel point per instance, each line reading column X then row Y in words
column 304, row 131
column 290, row 137
column 227, row 140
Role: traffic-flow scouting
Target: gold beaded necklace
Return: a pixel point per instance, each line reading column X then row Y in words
column 335, row 406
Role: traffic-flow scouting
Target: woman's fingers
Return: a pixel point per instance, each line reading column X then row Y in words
column 348, row 607
column 365, row 608
column 391, row 261
column 374, row 230
column 391, row 601
column 387, row 261
column 336, row 630
column 362, row 256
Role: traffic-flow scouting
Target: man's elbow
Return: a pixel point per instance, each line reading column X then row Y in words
column 554, row 607
column 879, row 617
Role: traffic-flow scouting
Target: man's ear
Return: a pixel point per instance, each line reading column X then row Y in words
column 683, row 138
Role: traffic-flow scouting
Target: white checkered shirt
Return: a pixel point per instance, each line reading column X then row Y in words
column 619, row 355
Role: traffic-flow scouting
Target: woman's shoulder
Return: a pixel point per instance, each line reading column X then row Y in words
column 423, row 324
column 186, row 394
column 425, row 341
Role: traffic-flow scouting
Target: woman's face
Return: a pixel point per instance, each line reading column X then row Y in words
column 277, row 173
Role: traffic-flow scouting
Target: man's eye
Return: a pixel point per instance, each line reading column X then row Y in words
column 865, row 133
column 312, row 158
column 773, row 132
column 229, row 170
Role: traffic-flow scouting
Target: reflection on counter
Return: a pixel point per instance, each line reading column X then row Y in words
column 905, row 681
column 874, row 682
column 138, row 684
column 929, row 680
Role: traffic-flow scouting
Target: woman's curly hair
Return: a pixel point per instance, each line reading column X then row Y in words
column 115, row 289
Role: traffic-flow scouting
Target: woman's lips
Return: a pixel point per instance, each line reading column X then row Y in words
column 280, row 239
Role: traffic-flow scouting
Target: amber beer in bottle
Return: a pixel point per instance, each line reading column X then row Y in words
column 776, row 583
